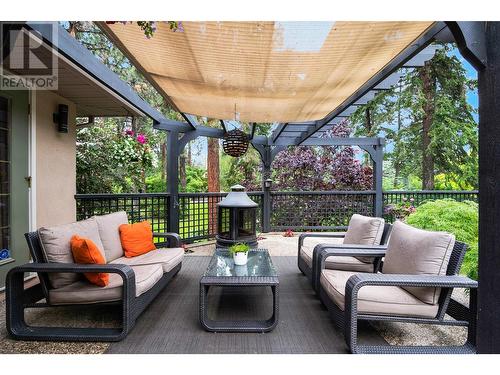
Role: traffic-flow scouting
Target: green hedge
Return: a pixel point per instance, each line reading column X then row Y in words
column 459, row 218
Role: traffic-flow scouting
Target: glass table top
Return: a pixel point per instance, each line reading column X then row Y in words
column 259, row 264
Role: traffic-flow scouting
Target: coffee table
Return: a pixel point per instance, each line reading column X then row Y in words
column 222, row 272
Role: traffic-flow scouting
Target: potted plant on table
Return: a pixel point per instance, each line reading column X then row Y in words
column 240, row 253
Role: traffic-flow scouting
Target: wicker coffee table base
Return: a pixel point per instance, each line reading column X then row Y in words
column 238, row 325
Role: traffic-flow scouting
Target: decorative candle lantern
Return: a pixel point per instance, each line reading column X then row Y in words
column 236, row 219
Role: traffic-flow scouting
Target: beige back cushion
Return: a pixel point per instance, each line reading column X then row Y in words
column 413, row 251
column 110, row 235
column 57, row 248
column 364, row 230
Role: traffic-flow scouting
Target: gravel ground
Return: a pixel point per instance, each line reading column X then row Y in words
column 424, row 334
column 62, row 316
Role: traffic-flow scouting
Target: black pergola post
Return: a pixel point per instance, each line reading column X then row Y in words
column 266, row 198
column 488, row 340
column 376, row 153
column 173, row 179
column 479, row 43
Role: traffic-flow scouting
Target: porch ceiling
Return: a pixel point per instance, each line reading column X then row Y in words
column 264, row 71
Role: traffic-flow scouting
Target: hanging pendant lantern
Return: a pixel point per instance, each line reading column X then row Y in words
column 235, row 143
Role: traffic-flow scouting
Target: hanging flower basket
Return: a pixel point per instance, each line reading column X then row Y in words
column 235, row 143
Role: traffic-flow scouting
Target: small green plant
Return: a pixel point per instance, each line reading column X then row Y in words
column 239, row 248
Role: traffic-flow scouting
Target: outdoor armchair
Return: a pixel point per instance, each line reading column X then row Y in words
column 133, row 282
column 362, row 230
column 416, row 291
column 324, row 251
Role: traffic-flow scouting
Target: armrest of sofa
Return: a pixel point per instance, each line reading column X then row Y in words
column 322, row 251
column 357, row 281
column 303, row 236
column 362, row 279
column 174, row 240
column 15, row 276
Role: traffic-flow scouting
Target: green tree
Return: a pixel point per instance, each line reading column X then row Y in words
column 441, row 120
column 97, row 43
column 107, row 161
column 435, row 132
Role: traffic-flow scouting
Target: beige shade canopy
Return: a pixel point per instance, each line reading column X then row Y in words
column 263, row 71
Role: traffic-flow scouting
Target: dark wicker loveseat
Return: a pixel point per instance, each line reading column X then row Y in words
column 18, row 298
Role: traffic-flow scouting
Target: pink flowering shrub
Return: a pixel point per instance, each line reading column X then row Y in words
column 401, row 211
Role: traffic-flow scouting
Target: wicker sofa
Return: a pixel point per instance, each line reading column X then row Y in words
column 362, row 232
column 133, row 282
column 415, row 285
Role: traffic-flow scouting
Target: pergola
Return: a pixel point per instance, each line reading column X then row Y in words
column 297, row 75
column 222, row 70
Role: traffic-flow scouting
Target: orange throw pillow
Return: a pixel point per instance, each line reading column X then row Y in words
column 136, row 239
column 85, row 251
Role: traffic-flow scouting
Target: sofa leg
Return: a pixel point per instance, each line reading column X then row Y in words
column 17, row 298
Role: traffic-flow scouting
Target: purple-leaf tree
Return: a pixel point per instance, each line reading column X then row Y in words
column 310, row 168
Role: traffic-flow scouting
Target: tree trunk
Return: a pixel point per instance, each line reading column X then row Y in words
column 397, row 166
column 213, row 173
column 72, row 28
column 368, row 127
column 368, row 122
column 134, row 124
column 163, row 160
column 189, row 155
column 429, row 91
column 182, row 171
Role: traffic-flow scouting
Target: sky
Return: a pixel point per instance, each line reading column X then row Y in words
column 472, row 97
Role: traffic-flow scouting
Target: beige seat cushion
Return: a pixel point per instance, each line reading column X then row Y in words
column 364, row 230
column 376, row 300
column 110, row 235
column 413, row 251
column 83, row 292
column 168, row 258
column 310, row 243
column 337, row 262
column 57, row 248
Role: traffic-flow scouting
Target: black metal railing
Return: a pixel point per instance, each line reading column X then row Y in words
column 296, row 210
column 419, row 197
column 318, row 210
column 198, row 214
column 153, row 207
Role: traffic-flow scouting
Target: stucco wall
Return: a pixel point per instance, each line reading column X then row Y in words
column 55, row 163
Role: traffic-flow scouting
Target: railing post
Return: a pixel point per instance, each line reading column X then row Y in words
column 173, row 179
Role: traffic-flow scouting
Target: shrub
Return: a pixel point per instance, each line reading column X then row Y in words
column 459, row 218
column 155, row 184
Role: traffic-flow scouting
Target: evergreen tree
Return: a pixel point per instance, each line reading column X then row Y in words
column 435, row 132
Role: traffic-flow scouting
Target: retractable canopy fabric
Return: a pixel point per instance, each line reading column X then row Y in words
column 263, row 71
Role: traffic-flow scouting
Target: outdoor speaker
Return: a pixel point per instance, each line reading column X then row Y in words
column 61, row 118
